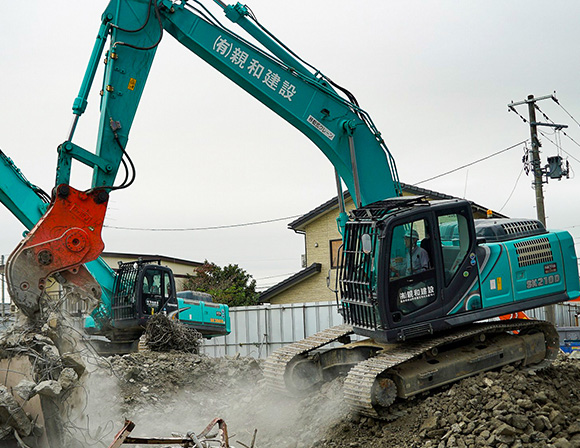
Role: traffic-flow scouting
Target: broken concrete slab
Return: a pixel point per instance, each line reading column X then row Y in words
column 12, row 414
column 48, row 388
column 25, row 389
column 68, row 378
column 74, row 361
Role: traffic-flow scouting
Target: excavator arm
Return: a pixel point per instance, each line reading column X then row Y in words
column 69, row 233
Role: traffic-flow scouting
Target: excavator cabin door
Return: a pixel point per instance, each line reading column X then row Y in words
column 412, row 284
column 429, row 257
column 157, row 290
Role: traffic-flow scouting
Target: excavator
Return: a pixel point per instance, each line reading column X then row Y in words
column 418, row 280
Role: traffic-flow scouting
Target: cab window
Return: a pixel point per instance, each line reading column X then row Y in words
column 455, row 242
column 166, row 286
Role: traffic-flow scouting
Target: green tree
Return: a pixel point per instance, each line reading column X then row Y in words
column 230, row 285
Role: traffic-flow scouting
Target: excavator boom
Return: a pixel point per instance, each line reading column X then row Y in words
column 266, row 70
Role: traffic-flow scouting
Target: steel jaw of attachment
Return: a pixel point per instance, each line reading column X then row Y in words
column 66, row 237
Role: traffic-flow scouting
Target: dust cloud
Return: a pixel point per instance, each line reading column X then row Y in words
column 165, row 394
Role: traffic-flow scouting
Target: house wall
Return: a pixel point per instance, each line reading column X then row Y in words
column 318, row 235
column 312, row 289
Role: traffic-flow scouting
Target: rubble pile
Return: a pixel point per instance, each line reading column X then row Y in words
column 505, row 409
column 510, row 408
column 167, row 393
column 147, row 378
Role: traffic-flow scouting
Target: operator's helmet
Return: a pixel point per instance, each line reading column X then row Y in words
column 413, row 234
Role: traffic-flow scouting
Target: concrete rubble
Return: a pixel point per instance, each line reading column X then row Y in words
column 40, row 373
column 505, row 409
column 176, row 392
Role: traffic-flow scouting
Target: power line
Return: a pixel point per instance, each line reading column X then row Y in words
column 513, row 189
column 571, row 227
column 525, row 120
column 561, row 130
column 274, row 276
column 191, row 229
column 472, row 163
column 558, row 147
column 231, row 226
column 568, row 113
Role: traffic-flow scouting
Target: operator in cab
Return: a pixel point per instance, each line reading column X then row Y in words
column 416, row 258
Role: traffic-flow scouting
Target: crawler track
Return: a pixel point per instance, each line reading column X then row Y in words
column 275, row 365
column 358, row 386
column 359, row 383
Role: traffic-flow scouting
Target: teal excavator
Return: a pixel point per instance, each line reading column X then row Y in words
column 415, row 277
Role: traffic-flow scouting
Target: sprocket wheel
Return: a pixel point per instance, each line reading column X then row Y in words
column 384, row 392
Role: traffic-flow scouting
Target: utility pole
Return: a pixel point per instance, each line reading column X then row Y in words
column 536, row 162
column 549, row 310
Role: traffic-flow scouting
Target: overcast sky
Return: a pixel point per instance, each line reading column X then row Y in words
column 436, row 76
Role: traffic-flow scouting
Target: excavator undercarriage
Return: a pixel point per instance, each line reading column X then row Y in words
column 377, row 375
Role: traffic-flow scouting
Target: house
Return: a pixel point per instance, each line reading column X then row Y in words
column 321, row 244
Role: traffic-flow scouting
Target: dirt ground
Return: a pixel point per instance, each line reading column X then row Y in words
column 167, row 393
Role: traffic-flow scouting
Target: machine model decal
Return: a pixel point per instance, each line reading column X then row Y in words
column 239, row 58
column 543, row 281
column 318, row 125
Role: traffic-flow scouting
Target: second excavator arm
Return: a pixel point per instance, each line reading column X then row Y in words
column 68, row 235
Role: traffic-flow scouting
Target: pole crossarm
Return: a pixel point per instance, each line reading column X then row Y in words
column 533, row 100
column 552, row 125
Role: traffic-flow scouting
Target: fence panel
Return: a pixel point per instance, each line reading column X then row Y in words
column 259, row 330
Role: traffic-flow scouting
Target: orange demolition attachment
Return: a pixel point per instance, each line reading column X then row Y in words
column 66, row 237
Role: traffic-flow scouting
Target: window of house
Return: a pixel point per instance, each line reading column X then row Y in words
column 335, row 252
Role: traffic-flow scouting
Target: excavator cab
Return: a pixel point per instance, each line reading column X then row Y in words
column 404, row 264
column 142, row 289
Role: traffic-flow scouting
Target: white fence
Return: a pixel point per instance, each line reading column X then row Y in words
column 259, row 330
column 566, row 314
